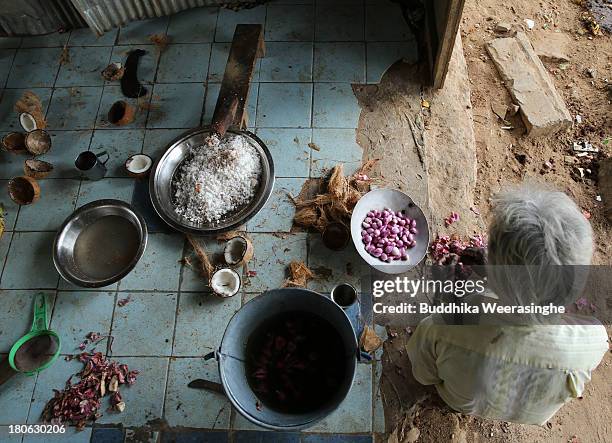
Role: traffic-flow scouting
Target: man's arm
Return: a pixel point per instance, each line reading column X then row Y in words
column 422, row 355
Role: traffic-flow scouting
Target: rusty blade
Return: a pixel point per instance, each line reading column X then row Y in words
column 207, row 385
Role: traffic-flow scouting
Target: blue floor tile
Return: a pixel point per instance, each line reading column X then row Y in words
column 284, row 105
column 157, row 140
column 218, row 60
column 384, row 21
column 272, row 258
column 139, row 32
column 335, row 106
column 5, row 242
column 84, row 67
column 147, row 64
column 9, row 437
column 16, row 314
column 336, row 438
column 144, row 399
column 287, row 62
column 228, row 19
column 339, row 62
column 201, row 322
column 119, row 144
column 76, row 315
column 355, row 413
column 381, row 56
column 344, row 266
column 266, row 437
column 15, row 398
column 29, row 251
column 158, row 269
column 289, row 23
column 74, row 108
column 11, row 165
column 6, row 61
column 34, row 68
column 277, row 214
column 335, row 146
column 107, row 435
column 180, row 105
column 378, row 424
column 141, row 202
column 212, row 93
column 86, row 37
column 66, row 146
column 184, row 63
column 193, row 26
column 55, row 39
column 9, row 208
column 112, row 94
column 184, row 404
column 57, row 201
column 339, row 22
column 113, row 188
column 194, row 436
column 10, row 42
column 9, row 119
column 290, row 150
column 145, row 324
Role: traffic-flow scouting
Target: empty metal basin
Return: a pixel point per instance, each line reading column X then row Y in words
column 99, row 244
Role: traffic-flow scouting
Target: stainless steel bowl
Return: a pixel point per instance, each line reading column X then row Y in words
column 160, row 184
column 99, row 243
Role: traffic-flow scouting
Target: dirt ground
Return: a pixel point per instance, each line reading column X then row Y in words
column 506, row 157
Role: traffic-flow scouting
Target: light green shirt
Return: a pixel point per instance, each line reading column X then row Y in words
column 522, row 374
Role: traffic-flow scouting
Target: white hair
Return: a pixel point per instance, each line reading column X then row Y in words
column 538, row 240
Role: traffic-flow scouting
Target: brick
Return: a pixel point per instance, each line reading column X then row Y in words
column 542, row 108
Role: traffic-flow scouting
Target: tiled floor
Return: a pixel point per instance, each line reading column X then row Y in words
column 301, row 94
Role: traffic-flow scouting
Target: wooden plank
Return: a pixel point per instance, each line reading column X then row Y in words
column 442, row 27
column 230, row 110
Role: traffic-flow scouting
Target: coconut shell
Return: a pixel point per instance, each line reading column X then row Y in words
column 14, row 142
column 38, row 142
column 247, row 254
column 212, row 275
column 24, row 190
column 37, row 168
column 121, row 113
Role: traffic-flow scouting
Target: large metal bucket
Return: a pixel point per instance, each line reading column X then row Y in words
column 232, row 352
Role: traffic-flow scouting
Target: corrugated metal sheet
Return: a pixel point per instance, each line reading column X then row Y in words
column 103, row 15
column 35, row 17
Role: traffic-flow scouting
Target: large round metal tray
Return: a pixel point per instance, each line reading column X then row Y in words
column 160, row 184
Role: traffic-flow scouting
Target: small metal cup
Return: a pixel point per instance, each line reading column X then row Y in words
column 90, row 166
column 344, row 295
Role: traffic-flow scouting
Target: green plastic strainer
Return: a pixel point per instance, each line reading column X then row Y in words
column 39, row 348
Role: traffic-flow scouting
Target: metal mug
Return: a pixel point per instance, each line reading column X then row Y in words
column 344, row 295
column 90, row 165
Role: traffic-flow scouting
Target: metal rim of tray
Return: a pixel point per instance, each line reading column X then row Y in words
column 87, row 207
column 160, row 187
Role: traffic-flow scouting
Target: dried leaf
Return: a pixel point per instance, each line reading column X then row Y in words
column 160, row 41
column 369, row 340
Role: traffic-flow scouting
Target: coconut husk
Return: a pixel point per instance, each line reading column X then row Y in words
column 369, row 340
column 64, row 56
column 206, row 267
column 338, row 185
column 299, row 275
column 2, row 224
column 30, row 103
column 160, row 41
column 225, row 236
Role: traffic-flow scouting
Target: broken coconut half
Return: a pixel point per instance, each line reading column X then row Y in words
column 238, row 251
column 37, row 168
column 38, row 142
column 138, row 165
column 27, row 122
column 14, row 142
column 225, row 282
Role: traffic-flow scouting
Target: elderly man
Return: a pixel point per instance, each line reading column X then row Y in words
column 524, row 372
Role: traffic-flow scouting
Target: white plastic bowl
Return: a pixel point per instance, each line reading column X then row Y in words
column 396, row 201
